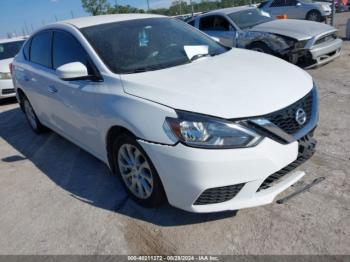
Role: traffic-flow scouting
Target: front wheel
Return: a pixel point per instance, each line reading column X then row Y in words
column 137, row 172
column 314, row 15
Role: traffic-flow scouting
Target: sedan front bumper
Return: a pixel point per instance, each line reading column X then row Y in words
column 188, row 172
column 326, row 52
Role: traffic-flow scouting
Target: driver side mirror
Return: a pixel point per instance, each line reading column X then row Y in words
column 73, row 71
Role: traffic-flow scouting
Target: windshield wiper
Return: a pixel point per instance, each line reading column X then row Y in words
column 195, row 57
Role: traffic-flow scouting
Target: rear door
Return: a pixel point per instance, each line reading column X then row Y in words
column 218, row 26
column 35, row 72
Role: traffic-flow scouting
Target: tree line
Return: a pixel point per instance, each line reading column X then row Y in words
column 178, row 7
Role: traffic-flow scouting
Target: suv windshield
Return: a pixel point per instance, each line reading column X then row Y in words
column 249, row 18
column 146, row 44
column 10, row 50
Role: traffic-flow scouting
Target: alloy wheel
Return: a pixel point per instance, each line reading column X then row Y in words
column 135, row 171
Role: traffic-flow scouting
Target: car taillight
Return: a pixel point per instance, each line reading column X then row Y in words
column 11, row 68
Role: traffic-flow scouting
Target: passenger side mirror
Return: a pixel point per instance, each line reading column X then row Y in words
column 72, row 71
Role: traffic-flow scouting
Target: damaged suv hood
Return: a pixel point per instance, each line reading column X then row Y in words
column 239, row 83
column 297, row 29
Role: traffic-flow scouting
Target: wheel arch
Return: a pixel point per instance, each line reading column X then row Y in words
column 112, row 133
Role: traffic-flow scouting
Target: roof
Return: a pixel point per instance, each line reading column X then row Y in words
column 12, row 39
column 105, row 19
column 231, row 10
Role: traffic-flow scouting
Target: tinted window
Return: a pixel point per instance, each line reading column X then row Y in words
column 214, row 23
column 40, row 51
column 249, row 18
column 66, row 49
column 278, row 3
column 146, row 44
column 10, row 50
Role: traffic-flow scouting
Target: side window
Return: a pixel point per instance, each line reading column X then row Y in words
column 40, row 51
column 291, row 2
column 278, row 3
column 26, row 50
column 214, row 23
column 66, row 49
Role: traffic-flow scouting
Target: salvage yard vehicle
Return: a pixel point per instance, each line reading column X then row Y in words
column 306, row 43
column 174, row 114
column 8, row 49
column 298, row 9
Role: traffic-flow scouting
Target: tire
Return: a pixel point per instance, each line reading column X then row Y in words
column 32, row 119
column 314, row 15
column 260, row 47
column 137, row 173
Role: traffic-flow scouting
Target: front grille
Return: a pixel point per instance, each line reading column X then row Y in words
column 218, row 194
column 285, row 118
column 326, row 38
column 8, row 91
column 307, row 146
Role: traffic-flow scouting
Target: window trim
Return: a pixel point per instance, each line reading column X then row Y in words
column 97, row 77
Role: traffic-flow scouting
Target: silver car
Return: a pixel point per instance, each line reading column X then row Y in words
column 297, row 9
column 300, row 42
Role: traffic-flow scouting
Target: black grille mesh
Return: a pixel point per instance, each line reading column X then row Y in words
column 307, row 147
column 218, row 194
column 285, row 118
column 8, row 91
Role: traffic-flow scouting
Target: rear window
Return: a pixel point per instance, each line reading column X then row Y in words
column 10, row 50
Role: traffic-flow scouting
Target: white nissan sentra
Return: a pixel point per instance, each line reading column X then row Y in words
column 176, row 115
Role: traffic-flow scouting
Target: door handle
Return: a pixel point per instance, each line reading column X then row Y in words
column 52, row 89
column 26, row 78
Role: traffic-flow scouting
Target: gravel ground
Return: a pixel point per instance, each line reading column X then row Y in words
column 57, row 199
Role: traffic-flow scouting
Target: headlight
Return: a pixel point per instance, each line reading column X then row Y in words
column 300, row 44
column 208, row 132
column 4, row 76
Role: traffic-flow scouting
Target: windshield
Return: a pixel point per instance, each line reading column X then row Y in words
column 147, row 44
column 10, row 50
column 249, row 18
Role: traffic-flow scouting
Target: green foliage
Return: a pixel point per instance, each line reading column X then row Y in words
column 178, row 7
column 95, row 7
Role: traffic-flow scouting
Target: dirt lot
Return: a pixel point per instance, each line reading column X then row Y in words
column 57, row 199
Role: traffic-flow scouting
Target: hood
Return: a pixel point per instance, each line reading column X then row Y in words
column 239, row 83
column 5, row 65
column 297, row 29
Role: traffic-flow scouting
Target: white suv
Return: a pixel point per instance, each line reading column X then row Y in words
column 173, row 113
